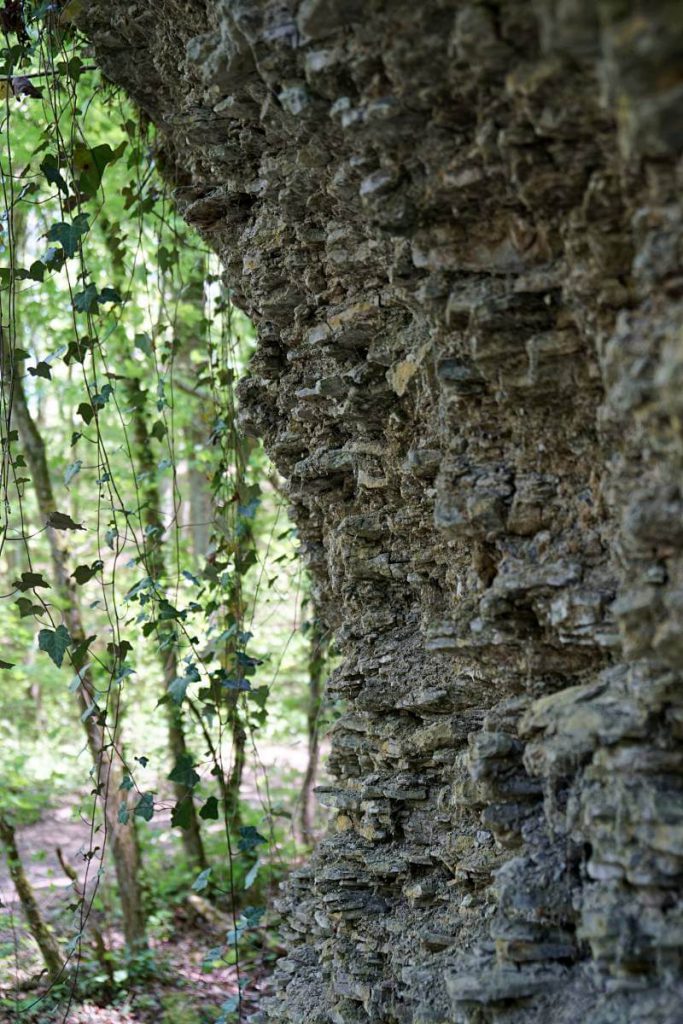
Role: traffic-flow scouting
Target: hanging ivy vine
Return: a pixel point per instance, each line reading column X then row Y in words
column 134, row 349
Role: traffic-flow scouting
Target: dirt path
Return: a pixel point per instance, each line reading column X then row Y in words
column 38, row 843
column 280, row 765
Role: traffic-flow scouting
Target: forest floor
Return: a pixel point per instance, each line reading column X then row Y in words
column 174, row 985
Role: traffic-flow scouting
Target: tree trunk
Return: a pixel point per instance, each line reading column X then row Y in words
column 102, row 749
column 150, row 513
column 200, row 499
column 52, row 954
column 234, row 781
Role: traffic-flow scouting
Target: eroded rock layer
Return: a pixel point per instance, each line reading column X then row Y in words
column 457, row 226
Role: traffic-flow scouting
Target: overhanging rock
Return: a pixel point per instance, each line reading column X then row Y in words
column 457, row 227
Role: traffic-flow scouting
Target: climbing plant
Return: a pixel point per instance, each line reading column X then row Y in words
column 142, row 540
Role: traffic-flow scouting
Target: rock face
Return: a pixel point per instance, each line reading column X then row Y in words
column 457, row 226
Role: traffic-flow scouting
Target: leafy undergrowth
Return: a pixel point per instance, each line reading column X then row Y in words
column 186, row 977
column 174, row 984
column 189, row 975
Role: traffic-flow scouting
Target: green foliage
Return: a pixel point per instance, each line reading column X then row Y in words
column 62, row 521
column 202, row 880
column 170, row 530
column 69, row 235
column 210, row 811
column 145, row 807
column 250, row 838
column 55, row 642
column 177, row 1011
column 184, row 773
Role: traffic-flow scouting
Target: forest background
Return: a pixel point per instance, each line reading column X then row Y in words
column 162, row 661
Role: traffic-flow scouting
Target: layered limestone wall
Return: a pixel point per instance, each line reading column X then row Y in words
column 457, row 226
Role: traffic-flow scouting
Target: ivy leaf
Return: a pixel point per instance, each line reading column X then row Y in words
column 41, row 369
column 234, row 935
column 228, row 683
column 145, row 807
column 252, row 916
column 251, row 875
column 167, row 611
column 201, row 881
column 247, row 661
column 92, row 163
column 78, row 350
column 183, row 772
column 144, row 343
column 5, row 665
column 83, row 573
column 86, row 412
column 126, row 783
column 167, row 258
column 50, row 168
column 86, row 301
column 228, row 1007
column 53, row 259
column 61, row 521
column 54, row 642
column 123, row 815
column 159, row 430
column 250, row 839
column 77, row 680
column 178, row 688
column 72, row 471
column 30, row 580
column 209, row 812
column 122, row 650
column 74, row 67
column 100, row 398
column 110, row 295
column 27, row 607
column 68, row 235
column 210, row 961
column 245, row 561
column 81, row 649
column 181, row 815
column 260, row 696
